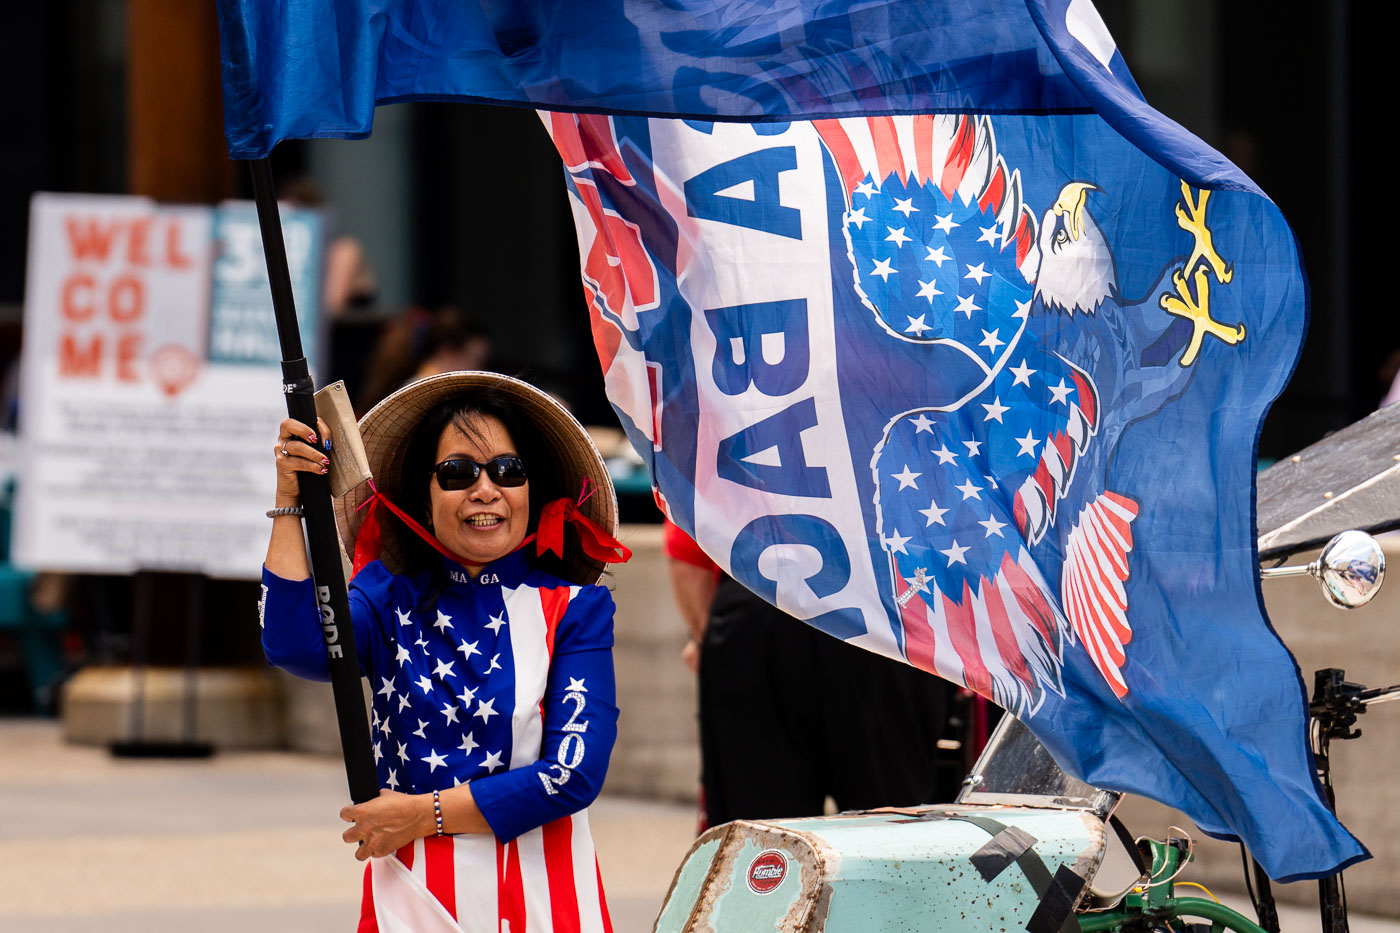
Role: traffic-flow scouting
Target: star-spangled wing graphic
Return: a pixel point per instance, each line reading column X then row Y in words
column 998, row 464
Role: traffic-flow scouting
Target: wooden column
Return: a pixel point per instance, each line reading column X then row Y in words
column 175, row 142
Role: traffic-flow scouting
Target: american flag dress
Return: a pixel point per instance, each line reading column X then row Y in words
column 504, row 682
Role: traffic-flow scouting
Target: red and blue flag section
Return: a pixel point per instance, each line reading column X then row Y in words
column 932, row 332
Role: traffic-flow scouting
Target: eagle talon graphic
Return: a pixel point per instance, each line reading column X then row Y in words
column 1195, row 225
column 1203, row 261
column 1196, row 309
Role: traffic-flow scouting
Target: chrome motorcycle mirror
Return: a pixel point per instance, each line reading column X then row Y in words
column 1350, row 569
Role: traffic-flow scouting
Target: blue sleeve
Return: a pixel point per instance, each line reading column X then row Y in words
column 580, row 727
column 291, row 622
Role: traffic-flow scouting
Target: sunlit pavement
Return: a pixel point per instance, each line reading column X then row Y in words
column 238, row 842
column 250, row 841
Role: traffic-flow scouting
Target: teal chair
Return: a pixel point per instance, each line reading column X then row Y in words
column 39, row 633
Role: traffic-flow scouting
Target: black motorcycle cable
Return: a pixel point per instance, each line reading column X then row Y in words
column 1248, row 881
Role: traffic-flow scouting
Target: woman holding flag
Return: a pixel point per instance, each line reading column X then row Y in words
column 488, row 645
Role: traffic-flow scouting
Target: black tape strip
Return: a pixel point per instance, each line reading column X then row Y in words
column 1129, row 843
column 1057, row 894
column 1056, row 909
column 1001, row 850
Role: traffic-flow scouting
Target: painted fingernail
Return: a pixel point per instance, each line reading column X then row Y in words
column 325, row 469
column 325, row 462
column 328, row 444
column 311, row 438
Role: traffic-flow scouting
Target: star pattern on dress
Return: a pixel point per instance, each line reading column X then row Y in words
column 897, row 237
column 462, row 706
column 485, row 709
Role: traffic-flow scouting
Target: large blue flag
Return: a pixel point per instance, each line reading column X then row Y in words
column 931, row 331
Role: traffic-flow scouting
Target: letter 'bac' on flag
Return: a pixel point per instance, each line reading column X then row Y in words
column 930, row 330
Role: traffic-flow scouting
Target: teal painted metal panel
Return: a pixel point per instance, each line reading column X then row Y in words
column 687, row 885
column 888, row 871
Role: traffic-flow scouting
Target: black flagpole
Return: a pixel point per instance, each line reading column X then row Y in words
column 324, row 545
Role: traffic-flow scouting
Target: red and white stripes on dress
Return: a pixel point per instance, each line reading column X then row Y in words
column 544, row 881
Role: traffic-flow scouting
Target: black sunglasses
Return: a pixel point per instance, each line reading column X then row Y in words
column 460, row 473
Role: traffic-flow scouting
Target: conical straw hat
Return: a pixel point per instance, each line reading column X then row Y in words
column 388, row 427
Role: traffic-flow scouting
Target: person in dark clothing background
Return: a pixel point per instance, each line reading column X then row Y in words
column 790, row 715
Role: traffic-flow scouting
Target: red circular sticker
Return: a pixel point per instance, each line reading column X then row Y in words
column 767, row 871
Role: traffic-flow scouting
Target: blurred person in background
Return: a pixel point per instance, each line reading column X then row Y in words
column 422, row 343
column 487, row 641
column 790, row 715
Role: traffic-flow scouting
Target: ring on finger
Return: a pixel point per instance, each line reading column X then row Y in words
column 285, row 452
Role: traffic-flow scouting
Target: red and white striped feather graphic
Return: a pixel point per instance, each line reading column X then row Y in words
column 1092, row 587
column 1001, row 640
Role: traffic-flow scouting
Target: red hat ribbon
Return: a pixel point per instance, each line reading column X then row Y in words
column 369, row 542
column 596, row 542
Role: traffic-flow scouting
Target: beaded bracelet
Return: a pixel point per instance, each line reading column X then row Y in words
column 285, row 510
column 437, row 812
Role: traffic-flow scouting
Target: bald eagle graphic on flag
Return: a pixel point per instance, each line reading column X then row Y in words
column 968, row 491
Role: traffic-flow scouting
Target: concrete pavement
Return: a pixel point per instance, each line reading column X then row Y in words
column 241, row 841
column 250, row 841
